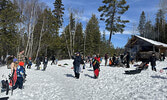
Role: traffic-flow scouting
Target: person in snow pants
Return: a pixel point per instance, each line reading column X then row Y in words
column 127, row 60
column 20, row 75
column 38, row 63
column 45, row 62
column 82, row 62
column 106, row 58
column 96, row 65
column 76, row 64
column 153, row 61
column 29, row 63
column 53, row 60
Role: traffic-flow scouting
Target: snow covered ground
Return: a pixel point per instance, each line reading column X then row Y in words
column 58, row 83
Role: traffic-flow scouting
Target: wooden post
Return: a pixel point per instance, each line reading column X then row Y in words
column 153, row 48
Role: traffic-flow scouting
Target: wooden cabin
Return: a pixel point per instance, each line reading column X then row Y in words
column 142, row 48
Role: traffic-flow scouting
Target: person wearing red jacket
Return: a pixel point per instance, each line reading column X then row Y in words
column 96, row 65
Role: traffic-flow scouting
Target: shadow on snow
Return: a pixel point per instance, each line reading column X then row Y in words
column 69, row 75
column 89, row 76
column 159, row 77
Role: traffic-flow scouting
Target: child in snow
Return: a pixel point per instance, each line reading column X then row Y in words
column 96, row 65
column 29, row 63
column 106, row 59
column 153, row 62
column 45, row 62
column 56, row 61
column 110, row 62
column 20, row 75
column 13, row 77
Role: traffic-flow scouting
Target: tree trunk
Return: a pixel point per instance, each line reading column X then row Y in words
column 112, row 23
column 39, row 44
column 70, row 39
column 67, row 46
column 29, row 34
column 84, row 43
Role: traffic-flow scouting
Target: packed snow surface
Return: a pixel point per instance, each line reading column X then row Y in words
column 58, row 83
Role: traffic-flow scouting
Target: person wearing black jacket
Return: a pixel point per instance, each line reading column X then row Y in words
column 53, row 60
column 38, row 63
column 114, row 59
column 76, row 63
column 153, row 61
column 127, row 59
column 106, row 58
column 45, row 62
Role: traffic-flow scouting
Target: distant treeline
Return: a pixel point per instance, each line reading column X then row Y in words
column 31, row 26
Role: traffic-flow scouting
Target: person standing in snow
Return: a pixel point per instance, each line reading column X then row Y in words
column 26, row 61
column 56, row 61
column 106, row 58
column 96, row 65
column 82, row 62
column 20, row 75
column 38, row 63
column 13, row 78
column 29, row 63
column 53, row 59
column 127, row 60
column 45, row 62
column 90, row 61
column 153, row 61
column 114, row 59
column 76, row 63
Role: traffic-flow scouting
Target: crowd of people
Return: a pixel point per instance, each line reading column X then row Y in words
column 123, row 60
column 20, row 63
column 120, row 60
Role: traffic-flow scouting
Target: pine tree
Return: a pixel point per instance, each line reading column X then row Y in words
column 9, row 17
column 160, row 26
column 142, row 23
column 79, row 43
column 50, row 33
column 58, row 12
column 92, row 36
column 111, row 14
column 149, row 30
column 69, row 35
column 45, row 33
column 165, row 33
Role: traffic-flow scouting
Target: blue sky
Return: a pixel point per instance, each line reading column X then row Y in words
column 90, row 7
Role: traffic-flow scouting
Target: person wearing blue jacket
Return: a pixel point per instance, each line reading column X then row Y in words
column 20, row 74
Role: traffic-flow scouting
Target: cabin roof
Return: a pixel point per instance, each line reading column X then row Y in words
column 156, row 43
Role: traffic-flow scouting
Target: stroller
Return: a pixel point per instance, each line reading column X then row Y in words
column 5, row 84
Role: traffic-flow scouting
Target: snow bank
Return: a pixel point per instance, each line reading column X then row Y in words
column 58, row 83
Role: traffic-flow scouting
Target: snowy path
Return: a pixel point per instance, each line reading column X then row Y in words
column 58, row 83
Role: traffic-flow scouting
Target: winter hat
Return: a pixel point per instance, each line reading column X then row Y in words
column 21, row 63
column 15, row 59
